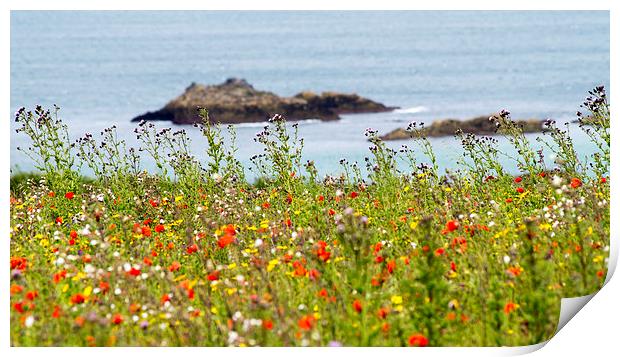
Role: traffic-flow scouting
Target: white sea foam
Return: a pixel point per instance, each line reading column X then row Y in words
column 412, row 110
column 265, row 123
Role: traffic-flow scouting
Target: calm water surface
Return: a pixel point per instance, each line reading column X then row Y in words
column 103, row 68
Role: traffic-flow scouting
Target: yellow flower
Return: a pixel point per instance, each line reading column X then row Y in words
column 397, row 299
column 272, row 264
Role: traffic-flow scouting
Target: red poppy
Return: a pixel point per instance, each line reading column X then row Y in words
column 160, row 228
column 418, row 340
column 314, row 274
column 518, row 179
column 78, row 299
column 357, row 306
column 56, row 312
column 266, row 205
column 323, row 293
column 31, row 295
column 153, row 203
column 391, row 265
column 213, row 276
column 19, row 307
column 322, row 252
column 451, row 226
column 603, row 180
column 104, row 286
column 520, row 190
column 134, row 272
column 59, row 220
column 575, row 183
column 73, row 234
column 382, row 313
column 192, row 248
column 164, row 298
column 117, row 319
column 268, row 324
column 69, row 195
column 174, row 266
column 331, row 212
column 439, row 252
column 353, row 194
column 146, row 231
column 19, row 263
column 321, row 198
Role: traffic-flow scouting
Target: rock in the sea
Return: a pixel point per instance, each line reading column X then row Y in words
column 479, row 125
column 236, row 101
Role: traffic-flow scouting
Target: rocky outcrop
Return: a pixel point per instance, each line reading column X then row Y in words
column 236, row 101
column 479, row 125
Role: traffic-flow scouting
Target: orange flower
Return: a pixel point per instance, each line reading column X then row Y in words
column 391, row 265
column 225, row 240
column 306, row 322
column 575, row 183
column 16, row 289
column 418, row 340
column 509, row 307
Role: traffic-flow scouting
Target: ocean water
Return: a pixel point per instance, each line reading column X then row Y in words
column 105, row 67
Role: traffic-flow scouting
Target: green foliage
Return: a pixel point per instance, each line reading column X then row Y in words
column 194, row 255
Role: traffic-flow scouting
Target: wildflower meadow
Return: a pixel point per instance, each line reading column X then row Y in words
column 196, row 254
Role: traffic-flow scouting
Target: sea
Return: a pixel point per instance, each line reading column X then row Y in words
column 103, row 68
